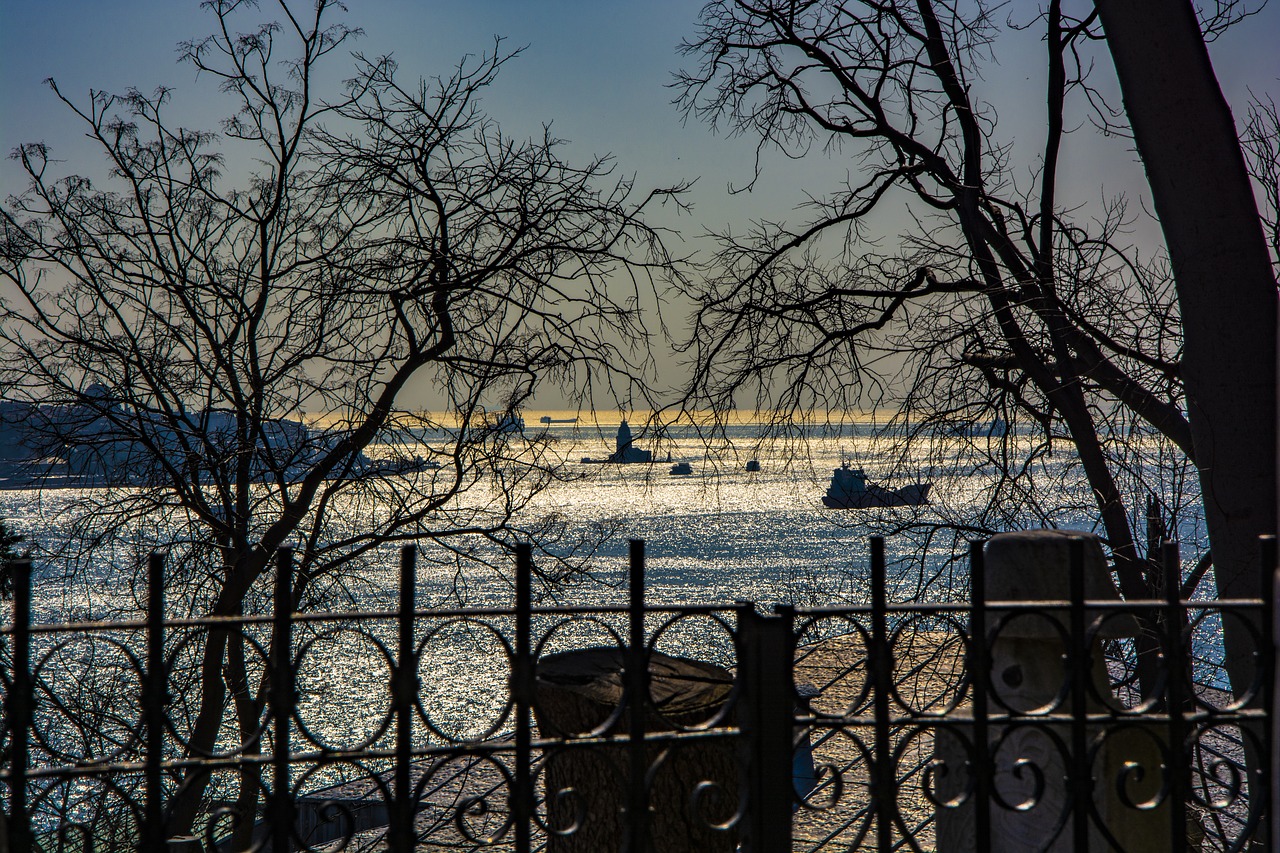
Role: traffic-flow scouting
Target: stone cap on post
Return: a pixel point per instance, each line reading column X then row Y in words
column 1035, row 565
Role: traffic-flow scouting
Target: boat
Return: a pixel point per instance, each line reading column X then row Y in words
column 981, row 429
column 753, row 466
column 509, row 423
column 849, row 489
column 681, row 469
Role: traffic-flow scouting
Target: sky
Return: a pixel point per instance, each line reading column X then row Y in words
column 597, row 70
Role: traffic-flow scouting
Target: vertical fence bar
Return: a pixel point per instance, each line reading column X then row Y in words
column 153, row 702
column 404, row 688
column 1081, row 774
column 637, row 673
column 19, row 713
column 1268, row 556
column 767, row 715
column 778, row 726
column 883, row 784
column 1176, row 696
column 282, row 704
column 522, row 696
column 1274, row 722
column 980, row 667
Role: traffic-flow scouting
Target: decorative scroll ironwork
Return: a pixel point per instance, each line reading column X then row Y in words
column 890, row 726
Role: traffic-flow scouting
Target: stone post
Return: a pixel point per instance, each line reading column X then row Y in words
column 1029, row 678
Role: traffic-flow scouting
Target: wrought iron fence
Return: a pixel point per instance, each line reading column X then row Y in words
column 894, row 725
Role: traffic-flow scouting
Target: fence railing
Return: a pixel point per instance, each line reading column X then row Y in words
column 893, row 725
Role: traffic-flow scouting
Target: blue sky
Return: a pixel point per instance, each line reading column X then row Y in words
column 596, row 69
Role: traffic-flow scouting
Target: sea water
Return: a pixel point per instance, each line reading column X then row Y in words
column 717, row 536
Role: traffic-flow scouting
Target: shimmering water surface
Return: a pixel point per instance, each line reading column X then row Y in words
column 719, row 535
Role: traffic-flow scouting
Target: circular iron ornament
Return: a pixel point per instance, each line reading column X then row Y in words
column 1125, row 700
column 231, row 818
column 476, row 807
column 560, row 796
column 679, row 619
column 567, row 800
column 863, row 756
column 384, row 721
column 1132, row 773
column 939, row 770
column 953, row 685
column 124, row 735
column 1227, row 808
column 1023, row 769
column 94, row 801
column 828, row 781
column 996, row 696
column 1256, row 688
column 611, row 635
column 332, row 810
column 720, row 717
column 254, row 739
column 1095, row 641
column 337, row 812
column 503, row 713
column 698, row 799
column 820, row 708
column 67, row 829
column 1233, row 784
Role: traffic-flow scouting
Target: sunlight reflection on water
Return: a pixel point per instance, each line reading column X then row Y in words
column 718, row 535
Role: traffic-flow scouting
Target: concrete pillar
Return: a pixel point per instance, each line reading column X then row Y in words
column 1029, row 678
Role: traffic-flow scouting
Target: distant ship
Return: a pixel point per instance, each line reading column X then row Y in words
column 681, row 469
column 509, row 423
column 849, row 489
column 981, row 429
column 753, row 466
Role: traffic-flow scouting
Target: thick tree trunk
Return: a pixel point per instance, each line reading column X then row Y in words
column 1226, row 289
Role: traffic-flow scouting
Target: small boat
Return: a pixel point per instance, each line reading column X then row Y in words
column 509, row 423
column 681, row 469
column 981, row 429
column 753, row 466
column 849, row 489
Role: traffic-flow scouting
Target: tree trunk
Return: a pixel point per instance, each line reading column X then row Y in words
column 1226, row 289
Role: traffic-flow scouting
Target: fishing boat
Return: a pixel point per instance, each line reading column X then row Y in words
column 849, row 489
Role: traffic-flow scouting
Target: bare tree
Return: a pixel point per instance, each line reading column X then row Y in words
column 997, row 306
column 1261, row 144
column 221, row 327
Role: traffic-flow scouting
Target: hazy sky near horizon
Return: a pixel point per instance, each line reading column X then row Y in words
column 597, row 70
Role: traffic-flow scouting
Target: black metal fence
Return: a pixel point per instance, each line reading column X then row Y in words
column 888, row 726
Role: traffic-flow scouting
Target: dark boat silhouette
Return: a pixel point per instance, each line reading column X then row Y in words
column 849, row 489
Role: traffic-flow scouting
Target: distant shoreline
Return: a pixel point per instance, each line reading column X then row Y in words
column 611, row 418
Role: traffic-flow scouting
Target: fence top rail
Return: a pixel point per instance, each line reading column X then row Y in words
column 1037, row 604
column 8, row 628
